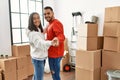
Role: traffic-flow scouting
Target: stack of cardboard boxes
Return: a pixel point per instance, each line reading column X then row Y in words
column 19, row 66
column 111, row 49
column 88, row 65
column 88, row 56
column 1, row 74
column 87, row 36
column 9, row 68
column 23, row 61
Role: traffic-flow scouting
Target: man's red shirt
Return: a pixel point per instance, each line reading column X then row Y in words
column 55, row 29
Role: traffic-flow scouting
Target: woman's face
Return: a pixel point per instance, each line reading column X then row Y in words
column 36, row 20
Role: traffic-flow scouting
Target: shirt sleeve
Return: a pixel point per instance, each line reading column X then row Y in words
column 59, row 31
column 38, row 41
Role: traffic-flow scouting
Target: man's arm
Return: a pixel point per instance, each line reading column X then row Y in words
column 59, row 32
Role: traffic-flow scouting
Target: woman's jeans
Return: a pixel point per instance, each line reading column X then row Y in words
column 54, row 64
column 38, row 69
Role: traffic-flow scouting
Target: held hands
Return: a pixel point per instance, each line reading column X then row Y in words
column 55, row 41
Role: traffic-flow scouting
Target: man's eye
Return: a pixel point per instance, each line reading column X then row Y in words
column 46, row 13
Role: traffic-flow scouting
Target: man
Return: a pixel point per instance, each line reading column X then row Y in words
column 54, row 29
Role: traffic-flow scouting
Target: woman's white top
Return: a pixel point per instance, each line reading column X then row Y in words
column 39, row 46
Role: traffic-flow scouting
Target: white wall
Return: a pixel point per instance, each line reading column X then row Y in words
column 5, row 40
column 64, row 9
column 49, row 3
column 88, row 8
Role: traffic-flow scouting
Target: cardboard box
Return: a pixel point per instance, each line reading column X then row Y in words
column 100, row 40
column 107, row 16
column 9, row 68
column 1, row 74
column 104, row 73
column 111, row 43
column 110, row 59
column 88, row 60
column 65, row 60
column 29, row 60
column 22, row 66
column 112, row 14
column 27, row 78
column 82, row 74
column 10, row 75
column 22, row 74
column 30, row 69
column 66, row 44
column 20, row 50
column 4, row 63
column 112, row 29
column 21, row 62
column 88, row 30
column 87, row 43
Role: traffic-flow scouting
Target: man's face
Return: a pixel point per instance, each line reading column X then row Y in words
column 48, row 14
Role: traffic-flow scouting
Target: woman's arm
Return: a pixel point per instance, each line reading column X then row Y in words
column 41, row 43
column 38, row 42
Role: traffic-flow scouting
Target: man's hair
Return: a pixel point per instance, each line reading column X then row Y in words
column 48, row 7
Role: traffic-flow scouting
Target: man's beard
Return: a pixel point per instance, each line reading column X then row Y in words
column 50, row 19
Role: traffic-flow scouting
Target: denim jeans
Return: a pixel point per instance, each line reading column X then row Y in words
column 54, row 64
column 38, row 69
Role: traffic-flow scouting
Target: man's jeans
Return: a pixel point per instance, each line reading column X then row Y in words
column 38, row 69
column 54, row 64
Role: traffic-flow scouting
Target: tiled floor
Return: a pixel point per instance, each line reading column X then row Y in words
column 64, row 76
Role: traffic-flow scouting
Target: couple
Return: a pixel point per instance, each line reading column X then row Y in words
column 52, row 47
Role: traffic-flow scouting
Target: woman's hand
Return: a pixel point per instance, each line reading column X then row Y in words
column 55, row 42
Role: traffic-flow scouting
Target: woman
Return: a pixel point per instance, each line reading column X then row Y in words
column 39, row 47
